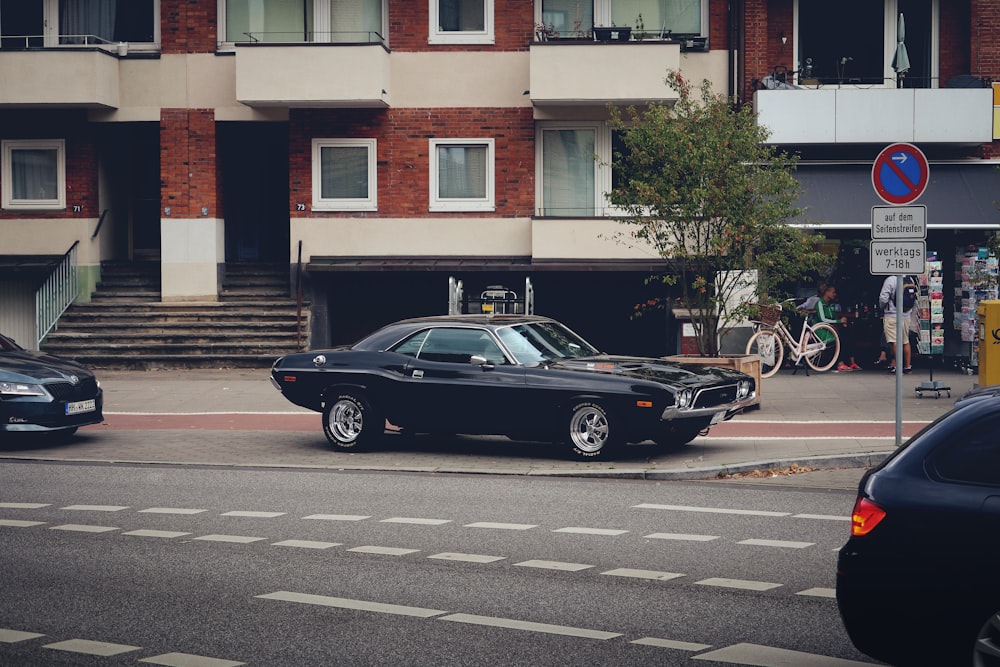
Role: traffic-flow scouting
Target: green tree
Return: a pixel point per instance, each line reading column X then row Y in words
column 696, row 181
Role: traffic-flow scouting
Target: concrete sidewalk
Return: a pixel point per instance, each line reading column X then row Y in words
column 836, row 423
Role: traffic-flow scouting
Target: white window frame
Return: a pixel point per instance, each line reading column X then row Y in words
column 6, row 172
column 369, row 203
column 602, row 165
column 438, row 36
column 487, row 203
column 52, row 36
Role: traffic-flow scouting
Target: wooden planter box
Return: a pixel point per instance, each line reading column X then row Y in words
column 745, row 363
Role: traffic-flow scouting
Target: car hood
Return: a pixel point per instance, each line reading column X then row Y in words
column 657, row 370
column 28, row 366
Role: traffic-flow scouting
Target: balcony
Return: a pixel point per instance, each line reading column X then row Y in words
column 570, row 72
column 876, row 115
column 59, row 77
column 312, row 75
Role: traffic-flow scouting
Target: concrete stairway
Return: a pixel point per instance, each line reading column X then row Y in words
column 125, row 326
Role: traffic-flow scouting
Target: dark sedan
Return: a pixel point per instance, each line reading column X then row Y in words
column 524, row 377
column 918, row 581
column 39, row 392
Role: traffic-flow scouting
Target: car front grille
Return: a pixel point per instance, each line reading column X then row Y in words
column 713, row 396
column 64, row 391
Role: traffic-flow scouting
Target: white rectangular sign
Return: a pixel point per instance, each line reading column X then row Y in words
column 896, row 258
column 899, row 222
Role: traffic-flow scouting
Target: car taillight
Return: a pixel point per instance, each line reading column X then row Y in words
column 865, row 517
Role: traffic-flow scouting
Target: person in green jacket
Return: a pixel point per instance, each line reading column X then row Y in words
column 826, row 313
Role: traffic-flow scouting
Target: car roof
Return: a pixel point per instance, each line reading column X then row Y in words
column 484, row 319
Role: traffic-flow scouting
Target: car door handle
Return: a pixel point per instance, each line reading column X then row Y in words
column 417, row 373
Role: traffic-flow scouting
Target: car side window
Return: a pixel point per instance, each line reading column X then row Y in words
column 411, row 346
column 458, row 346
column 971, row 456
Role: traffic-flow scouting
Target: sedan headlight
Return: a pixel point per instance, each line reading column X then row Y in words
column 743, row 389
column 684, row 397
column 20, row 389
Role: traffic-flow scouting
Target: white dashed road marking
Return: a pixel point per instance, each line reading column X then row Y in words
column 682, row 536
column 23, row 506
column 590, row 531
column 501, row 526
column 15, row 523
column 669, row 643
column 710, row 510
column 360, row 605
column 105, row 649
column 171, row 510
column 468, row 558
column 337, row 517
column 156, row 533
column 778, row 543
column 643, row 574
column 822, row 517
column 513, row 624
column 306, row 544
column 554, row 565
column 419, row 522
column 254, row 515
column 240, row 539
column 95, row 508
column 8, row 636
column 743, row 584
column 769, row 656
column 819, row 592
column 188, row 660
column 84, row 528
column 384, row 551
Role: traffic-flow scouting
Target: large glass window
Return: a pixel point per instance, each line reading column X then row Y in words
column 462, row 175
column 569, row 171
column 268, row 20
column 461, row 22
column 37, row 23
column 33, row 174
column 356, row 21
column 344, row 175
column 576, row 18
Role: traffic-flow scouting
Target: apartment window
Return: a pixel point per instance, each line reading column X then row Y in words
column 344, row 175
column 34, row 174
column 569, row 171
column 38, row 23
column 462, row 175
column 573, row 18
column 461, row 22
column 825, row 57
column 303, row 21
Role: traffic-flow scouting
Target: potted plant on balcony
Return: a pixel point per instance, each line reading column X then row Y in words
column 698, row 183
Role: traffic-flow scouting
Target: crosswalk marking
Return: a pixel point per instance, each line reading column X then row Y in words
column 337, row 517
column 501, row 526
column 81, row 528
column 254, row 515
column 743, row 584
column 95, row 508
column 89, row 647
column 23, row 506
column 188, row 660
column 345, row 603
column 239, row 539
column 513, row 624
column 468, row 558
column 156, row 533
column 8, row 636
column 554, row 565
column 590, row 531
column 670, row 643
column 419, row 522
column 306, row 544
column 710, row 510
column 681, row 536
column 778, row 543
column 16, row 523
column 642, row 574
column 384, row 551
column 171, row 510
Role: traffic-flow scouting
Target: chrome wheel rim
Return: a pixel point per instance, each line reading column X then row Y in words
column 588, row 429
column 346, row 421
column 987, row 649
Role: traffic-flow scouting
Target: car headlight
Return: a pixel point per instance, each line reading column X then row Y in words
column 20, row 389
column 743, row 389
column 684, row 397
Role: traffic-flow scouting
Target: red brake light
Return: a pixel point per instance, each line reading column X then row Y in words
column 865, row 517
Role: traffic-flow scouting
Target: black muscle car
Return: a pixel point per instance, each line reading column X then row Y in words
column 524, row 377
column 40, row 392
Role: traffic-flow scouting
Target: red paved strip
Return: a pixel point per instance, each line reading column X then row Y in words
column 312, row 422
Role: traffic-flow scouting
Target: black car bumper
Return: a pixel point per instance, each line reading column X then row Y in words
column 44, row 414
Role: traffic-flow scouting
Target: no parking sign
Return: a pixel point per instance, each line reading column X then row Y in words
column 900, row 174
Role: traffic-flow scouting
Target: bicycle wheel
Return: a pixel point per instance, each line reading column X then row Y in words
column 822, row 347
column 767, row 345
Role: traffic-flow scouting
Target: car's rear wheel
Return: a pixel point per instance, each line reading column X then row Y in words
column 987, row 648
column 350, row 422
column 591, row 433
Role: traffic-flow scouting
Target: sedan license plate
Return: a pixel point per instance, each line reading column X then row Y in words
column 718, row 417
column 81, row 406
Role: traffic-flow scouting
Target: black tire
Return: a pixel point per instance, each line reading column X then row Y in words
column 590, row 433
column 679, row 435
column 987, row 647
column 350, row 422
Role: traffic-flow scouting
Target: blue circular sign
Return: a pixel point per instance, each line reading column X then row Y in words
column 900, row 174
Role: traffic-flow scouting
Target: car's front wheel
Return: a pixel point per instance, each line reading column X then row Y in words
column 351, row 423
column 679, row 435
column 987, row 648
column 591, row 433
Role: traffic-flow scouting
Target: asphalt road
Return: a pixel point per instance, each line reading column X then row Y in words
column 204, row 567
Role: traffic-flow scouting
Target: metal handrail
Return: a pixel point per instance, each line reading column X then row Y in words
column 56, row 294
column 100, row 221
column 329, row 37
column 298, row 299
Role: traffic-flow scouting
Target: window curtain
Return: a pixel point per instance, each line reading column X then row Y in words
column 462, row 15
column 570, row 18
column 462, row 172
column 34, row 174
column 81, row 20
column 268, row 20
column 344, row 172
column 568, row 172
column 356, row 21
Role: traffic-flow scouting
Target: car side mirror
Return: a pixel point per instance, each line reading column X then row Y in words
column 479, row 360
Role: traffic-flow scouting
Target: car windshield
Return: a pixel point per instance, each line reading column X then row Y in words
column 544, row 341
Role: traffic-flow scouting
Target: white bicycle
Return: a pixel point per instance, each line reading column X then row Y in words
column 818, row 344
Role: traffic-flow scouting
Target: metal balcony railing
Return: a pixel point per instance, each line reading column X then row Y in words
column 314, row 37
column 55, row 295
